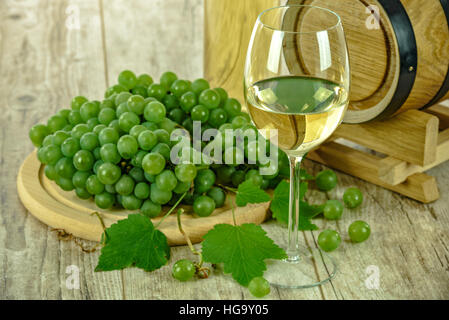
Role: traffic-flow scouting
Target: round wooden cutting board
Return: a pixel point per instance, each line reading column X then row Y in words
column 63, row 210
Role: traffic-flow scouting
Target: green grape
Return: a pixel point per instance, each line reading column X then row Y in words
column 48, row 140
column 252, row 152
column 69, row 147
column 203, row 206
column 199, row 85
column 326, row 180
column 333, row 210
column 50, row 172
column 224, row 174
column 98, row 128
column 149, row 177
column 137, row 174
column 128, row 120
column 130, row 202
column 177, row 115
column 137, row 130
column 75, row 117
column 79, row 130
column 121, row 109
column 140, row 91
column 153, row 163
column 359, row 231
column 125, row 185
column 209, row 98
column 65, row 168
column 160, row 196
column 353, row 198
column 167, row 125
column 154, row 112
column 163, row 149
column 223, row 95
column 142, row 190
column 127, row 146
column 122, row 98
column 187, row 101
column 239, row 122
column 115, row 90
column 167, row 79
column 114, row 125
column 204, row 180
column 68, row 128
column 144, row 80
column 259, row 287
column 82, row 193
column 188, row 124
column 150, row 126
column 79, row 179
column 89, row 110
column 200, row 113
column 106, row 115
column 59, row 137
column 65, row 184
column 136, row 104
column 255, row 177
column 166, row 180
column 170, row 102
column 234, row 156
column 83, row 160
column 108, row 173
column 108, row 135
column 127, row 79
column 97, row 165
column 273, row 170
column 136, row 161
column 77, row 102
column 179, row 87
column 151, row 209
column 92, row 123
column 183, row 270
column 218, row 195
column 162, row 136
column 182, row 187
column 107, row 104
column 53, row 154
column 110, row 188
column 218, row 117
column 147, row 140
column 56, row 123
column 265, row 184
column 329, row 240
column 157, row 91
column 104, row 200
column 232, row 107
column 96, row 153
column 94, row 185
column 185, row 172
column 89, row 141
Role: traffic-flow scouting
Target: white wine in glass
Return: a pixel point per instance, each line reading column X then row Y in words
column 297, row 81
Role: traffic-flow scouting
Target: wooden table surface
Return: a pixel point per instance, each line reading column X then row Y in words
column 53, row 50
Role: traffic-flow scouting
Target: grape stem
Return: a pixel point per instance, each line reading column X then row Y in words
column 203, row 272
column 234, row 190
column 102, row 224
column 171, row 210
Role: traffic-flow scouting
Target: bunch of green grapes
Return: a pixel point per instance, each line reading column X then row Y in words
column 117, row 151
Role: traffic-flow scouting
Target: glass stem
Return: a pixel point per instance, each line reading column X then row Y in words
column 293, row 214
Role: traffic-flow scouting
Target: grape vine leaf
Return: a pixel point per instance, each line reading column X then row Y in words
column 280, row 206
column 134, row 242
column 247, row 192
column 242, row 250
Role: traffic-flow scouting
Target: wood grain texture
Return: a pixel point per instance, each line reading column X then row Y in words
column 43, row 64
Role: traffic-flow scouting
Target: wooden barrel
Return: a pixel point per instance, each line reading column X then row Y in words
column 399, row 50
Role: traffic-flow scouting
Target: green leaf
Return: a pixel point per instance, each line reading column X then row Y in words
column 249, row 193
column 280, row 207
column 242, row 250
column 134, row 241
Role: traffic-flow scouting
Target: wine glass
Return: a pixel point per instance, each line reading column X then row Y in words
column 296, row 81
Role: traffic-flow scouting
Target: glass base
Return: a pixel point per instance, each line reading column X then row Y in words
column 311, row 268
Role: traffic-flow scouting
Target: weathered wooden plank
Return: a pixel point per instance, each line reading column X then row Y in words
column 45, row 60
